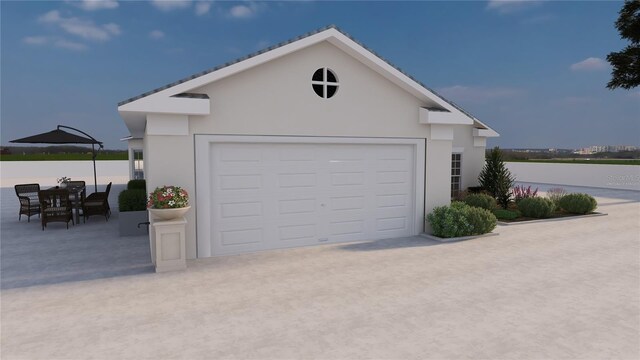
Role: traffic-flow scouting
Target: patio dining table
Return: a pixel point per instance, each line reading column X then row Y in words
column 76, row 193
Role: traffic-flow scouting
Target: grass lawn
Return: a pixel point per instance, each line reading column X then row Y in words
column 68, row 156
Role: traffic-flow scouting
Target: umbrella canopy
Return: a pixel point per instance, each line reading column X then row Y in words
column 58, row 136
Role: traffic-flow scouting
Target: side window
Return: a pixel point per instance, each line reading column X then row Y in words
column 456, row 166
column 137, row 164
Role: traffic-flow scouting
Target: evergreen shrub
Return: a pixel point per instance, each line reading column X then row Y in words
column 578, row 203
column 483, row 201
column 536, row 207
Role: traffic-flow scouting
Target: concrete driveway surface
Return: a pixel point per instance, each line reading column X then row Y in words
column 557, row 290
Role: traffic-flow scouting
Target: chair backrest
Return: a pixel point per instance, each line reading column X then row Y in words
column 108, row 189
column 54, row 198
column 76, row 183
column 28, row 190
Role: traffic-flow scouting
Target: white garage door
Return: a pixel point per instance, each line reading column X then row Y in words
column 271, row 195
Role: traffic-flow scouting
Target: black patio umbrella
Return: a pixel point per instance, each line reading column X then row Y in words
column 58, row 136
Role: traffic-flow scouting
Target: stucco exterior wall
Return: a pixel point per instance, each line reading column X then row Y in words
column 276, row 98
column 472, row 156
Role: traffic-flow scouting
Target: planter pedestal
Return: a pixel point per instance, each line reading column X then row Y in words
column 168, row 247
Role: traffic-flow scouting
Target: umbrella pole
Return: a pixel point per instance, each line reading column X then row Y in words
column 95, row 177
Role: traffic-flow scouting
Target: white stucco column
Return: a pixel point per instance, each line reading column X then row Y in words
column 169, row 161
column 438, row 165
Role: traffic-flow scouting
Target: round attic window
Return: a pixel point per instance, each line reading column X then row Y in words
column 324, row 83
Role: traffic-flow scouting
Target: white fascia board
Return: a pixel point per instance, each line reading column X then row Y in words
column 443, row 118
column 168, row 105
column 488, row 132
column 354, row 49
column 336, row 38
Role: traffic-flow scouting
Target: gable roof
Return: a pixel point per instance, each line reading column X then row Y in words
column 331, row 33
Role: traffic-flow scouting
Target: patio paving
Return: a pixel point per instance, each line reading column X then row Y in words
column 562, row 290
column 91, row 250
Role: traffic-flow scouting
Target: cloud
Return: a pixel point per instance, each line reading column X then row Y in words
column 262, row 44
column 35, row 40
column 54, row 42
column 577, row 100
column 93, row 5
column 245, row 11
column 203, row 7
column 170, row 5
column 590, row 64
column 85, row 29
column 511, row 6
column 156, row 34
column 477, row 94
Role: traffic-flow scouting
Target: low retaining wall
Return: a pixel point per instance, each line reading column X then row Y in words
column 45, row 173
column 622, row 177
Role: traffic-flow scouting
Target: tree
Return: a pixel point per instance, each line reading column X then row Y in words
column 626, row 63
column 496, row 178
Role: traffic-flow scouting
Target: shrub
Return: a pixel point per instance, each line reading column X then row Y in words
column 137, row 184
column 504, row 214
column 520, row 192
column 475, row 189
column 132, row 200
column 578, row 203
column 482, row 221
column 483, row 201
column 460, row 219
column 555, row 194
column 496, row 178
column 538, row 208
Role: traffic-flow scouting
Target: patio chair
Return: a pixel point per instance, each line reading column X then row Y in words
column 28, row 197
column 74, row 185
column 55, row 206
column 97, row 204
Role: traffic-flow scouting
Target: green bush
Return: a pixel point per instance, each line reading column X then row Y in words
column 483, row 201
column 504, row 214
column 482, row 221
column 137, row 184
column 132, row 200
column 538, row 208
column 578, row 203
column 460, row 219
column 555, row 194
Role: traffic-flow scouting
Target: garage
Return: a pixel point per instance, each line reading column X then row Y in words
column 260, row 193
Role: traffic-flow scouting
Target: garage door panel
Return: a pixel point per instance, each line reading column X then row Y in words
column 272, row 195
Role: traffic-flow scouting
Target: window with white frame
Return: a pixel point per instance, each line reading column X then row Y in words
column 324, row 83
column 137, row 164
column 456, row 166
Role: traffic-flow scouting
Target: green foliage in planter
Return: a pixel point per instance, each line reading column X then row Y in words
column 483, row 201
column 538, row 208
column 132, row 200
column 482, row 221
column 555, row 194
column 475, row 189
column 460, row 219
column 496, row 178
column 140, row 184
column 578, row 203
column 504, row 214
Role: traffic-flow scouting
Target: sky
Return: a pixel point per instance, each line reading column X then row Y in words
column 535, row 71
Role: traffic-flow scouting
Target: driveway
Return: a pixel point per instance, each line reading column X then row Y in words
column 558, row 290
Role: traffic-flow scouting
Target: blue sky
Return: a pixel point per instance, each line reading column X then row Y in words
column 534, row 71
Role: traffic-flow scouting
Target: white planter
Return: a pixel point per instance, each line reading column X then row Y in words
column 169, row 214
